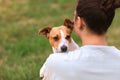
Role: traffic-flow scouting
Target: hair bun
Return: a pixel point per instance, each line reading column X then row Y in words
column 117, row 3
column 107, row 5
column 110, row 4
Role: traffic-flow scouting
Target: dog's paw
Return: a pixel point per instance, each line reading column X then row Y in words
column 41, row 75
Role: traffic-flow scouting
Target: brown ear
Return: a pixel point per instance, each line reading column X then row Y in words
column 68, row 23
column 45, row 31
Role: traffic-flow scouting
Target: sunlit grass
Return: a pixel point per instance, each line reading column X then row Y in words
column 22, row 50
column 114, row 31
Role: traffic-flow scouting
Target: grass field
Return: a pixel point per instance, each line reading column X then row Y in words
column 22, row 50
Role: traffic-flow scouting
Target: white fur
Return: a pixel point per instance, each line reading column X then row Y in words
column 63, row 41
column 73, row 45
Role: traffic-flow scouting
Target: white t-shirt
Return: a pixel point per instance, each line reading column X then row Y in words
column 86, row 63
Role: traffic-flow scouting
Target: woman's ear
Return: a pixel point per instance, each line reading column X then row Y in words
column 80, row 23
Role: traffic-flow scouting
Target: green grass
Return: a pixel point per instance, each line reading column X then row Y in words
column 22, row 50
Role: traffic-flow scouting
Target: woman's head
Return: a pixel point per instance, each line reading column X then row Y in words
column 97, row 14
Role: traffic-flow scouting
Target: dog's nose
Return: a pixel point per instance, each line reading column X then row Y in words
column 63, row 48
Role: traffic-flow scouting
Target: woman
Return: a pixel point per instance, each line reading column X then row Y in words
column 95, row 60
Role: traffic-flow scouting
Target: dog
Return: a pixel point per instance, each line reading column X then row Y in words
column 60, row 39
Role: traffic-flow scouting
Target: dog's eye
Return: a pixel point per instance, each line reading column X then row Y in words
column 56, row 38
column 67, row 37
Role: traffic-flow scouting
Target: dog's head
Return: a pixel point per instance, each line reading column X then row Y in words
column 59, row 37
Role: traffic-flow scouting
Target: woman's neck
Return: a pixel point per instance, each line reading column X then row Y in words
column 94, row 40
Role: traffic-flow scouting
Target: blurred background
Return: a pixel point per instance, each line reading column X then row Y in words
column 22, row 50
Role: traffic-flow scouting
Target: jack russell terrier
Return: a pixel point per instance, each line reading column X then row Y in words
column 59, row 38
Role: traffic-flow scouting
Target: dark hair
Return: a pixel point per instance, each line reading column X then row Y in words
column 97, row 14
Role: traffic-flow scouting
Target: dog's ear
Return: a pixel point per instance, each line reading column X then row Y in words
column 68, row 23
column 45, row 31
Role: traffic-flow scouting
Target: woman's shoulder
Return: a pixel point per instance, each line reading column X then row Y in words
column 89, row 51
column 64, row 56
